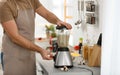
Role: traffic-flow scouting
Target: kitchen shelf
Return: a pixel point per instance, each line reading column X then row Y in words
column 65, row 11
column 90, row 12
column 93, row 13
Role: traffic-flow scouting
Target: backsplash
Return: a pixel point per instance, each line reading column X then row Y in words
column 91, row 35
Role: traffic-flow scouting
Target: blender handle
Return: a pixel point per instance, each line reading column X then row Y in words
column 55, row 46
column 55, row 49
column 54, row 58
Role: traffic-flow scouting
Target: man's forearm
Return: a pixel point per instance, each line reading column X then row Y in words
column 52, row 18
column 11, row 30
column 49, row 16
column 26, row 43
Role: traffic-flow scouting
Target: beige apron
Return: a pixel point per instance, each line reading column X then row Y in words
column 18, row 60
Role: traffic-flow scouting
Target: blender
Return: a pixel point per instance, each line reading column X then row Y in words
column 62, row 56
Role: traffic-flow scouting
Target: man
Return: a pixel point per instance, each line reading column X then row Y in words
column 17, row 19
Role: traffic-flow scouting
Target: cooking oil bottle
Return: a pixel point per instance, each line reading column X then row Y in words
column 80, row 45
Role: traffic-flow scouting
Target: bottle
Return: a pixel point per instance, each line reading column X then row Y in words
column 80, row 45
column 92, row 7
column 93, row 19
column 88, row 6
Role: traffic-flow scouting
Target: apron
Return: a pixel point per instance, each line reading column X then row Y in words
column 18, row 60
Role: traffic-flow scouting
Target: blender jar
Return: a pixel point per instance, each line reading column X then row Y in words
column 62, row 36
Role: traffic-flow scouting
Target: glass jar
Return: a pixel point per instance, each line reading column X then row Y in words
column 62, row 36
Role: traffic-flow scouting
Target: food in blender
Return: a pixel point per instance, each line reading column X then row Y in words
column 63, row 40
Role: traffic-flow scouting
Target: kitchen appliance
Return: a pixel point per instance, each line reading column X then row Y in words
column 63, row 56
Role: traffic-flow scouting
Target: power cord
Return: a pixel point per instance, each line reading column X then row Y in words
column 85, row 69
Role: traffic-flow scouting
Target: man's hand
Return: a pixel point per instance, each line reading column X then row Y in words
column 65, row 24
column 46, row 55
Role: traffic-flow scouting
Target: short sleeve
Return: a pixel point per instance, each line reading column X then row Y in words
column 5, row 13
column 37, row 4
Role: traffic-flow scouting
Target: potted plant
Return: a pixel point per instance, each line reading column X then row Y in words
column 50, row 31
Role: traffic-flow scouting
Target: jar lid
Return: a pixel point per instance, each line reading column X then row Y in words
column 61, row 27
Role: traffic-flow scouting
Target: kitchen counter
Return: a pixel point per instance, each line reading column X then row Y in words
column 47, row 66
column 48, row 69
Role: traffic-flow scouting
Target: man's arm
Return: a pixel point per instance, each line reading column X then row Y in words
column 50, row 17
column 11, row 29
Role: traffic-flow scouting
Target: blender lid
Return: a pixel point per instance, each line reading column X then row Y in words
column 61, row 27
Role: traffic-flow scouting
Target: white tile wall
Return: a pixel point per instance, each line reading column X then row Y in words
column 1, row 72
column 92, row 34
column 1, row 34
